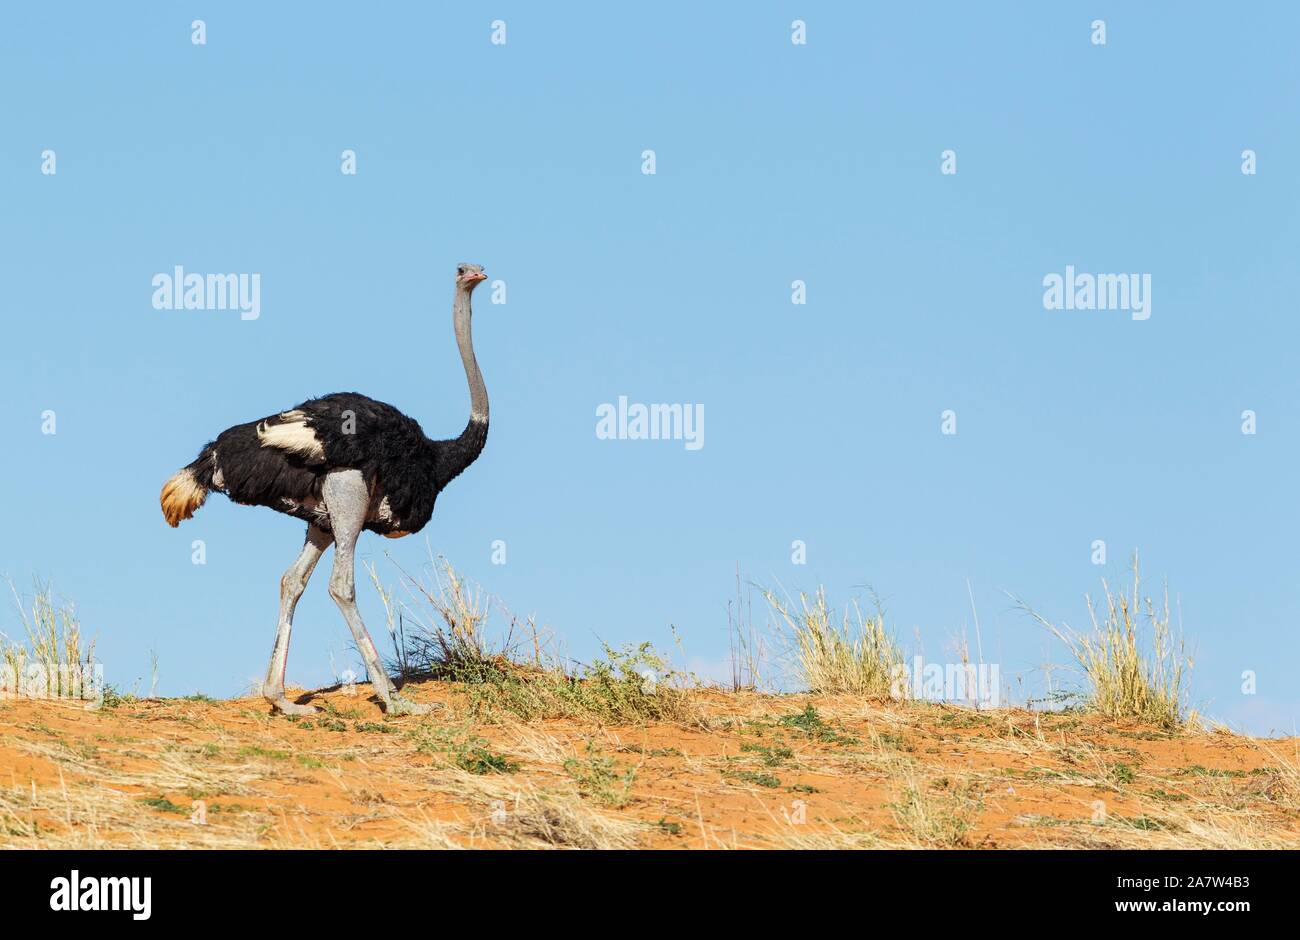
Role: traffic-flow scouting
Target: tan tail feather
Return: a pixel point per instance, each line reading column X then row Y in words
column 181, row 496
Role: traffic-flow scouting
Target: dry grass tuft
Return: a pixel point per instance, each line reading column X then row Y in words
column 1124, row 680
column 52, row 647
column 857, row 655
column 938, row 813
column 439, row 631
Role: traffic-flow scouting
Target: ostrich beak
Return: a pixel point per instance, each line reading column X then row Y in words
column 475, row 278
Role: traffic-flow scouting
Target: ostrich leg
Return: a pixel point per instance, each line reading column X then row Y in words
column 291, row 588
column 348, row 500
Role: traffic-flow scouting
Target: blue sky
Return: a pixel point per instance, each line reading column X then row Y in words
column 774, row 162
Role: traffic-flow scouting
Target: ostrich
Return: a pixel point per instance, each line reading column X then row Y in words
column 342, row 463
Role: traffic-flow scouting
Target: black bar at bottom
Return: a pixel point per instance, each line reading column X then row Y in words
column 726, row 889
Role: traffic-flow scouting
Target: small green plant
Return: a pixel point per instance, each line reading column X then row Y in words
column 478, row 759
column 758, row 779
column 651, row 751
column 812, row 724
column 331, row 718
column 601, row 778
column 253, row 750
column 115, row 699
column 671, row 828
column 333, row 711
column 1144, row 823
column 164, row 805
column 896, row 741
column 773, row 756
column 1196, row 770
column 1161, row 794
column 466, row 751
column 374, row 727
column 807, row 721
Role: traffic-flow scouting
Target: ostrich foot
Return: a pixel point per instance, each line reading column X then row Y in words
column 286, row 707
column 397, row 705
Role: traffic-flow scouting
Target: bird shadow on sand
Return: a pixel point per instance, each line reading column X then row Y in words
column 306, row 698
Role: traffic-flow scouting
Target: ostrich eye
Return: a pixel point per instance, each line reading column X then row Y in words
column 461, row 269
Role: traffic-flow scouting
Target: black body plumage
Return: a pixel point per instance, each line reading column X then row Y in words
column 404, row 470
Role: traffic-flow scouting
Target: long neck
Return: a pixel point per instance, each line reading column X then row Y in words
column 462, row 316
column 459, row 452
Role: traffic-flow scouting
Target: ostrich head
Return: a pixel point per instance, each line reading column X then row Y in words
column 469, row 276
